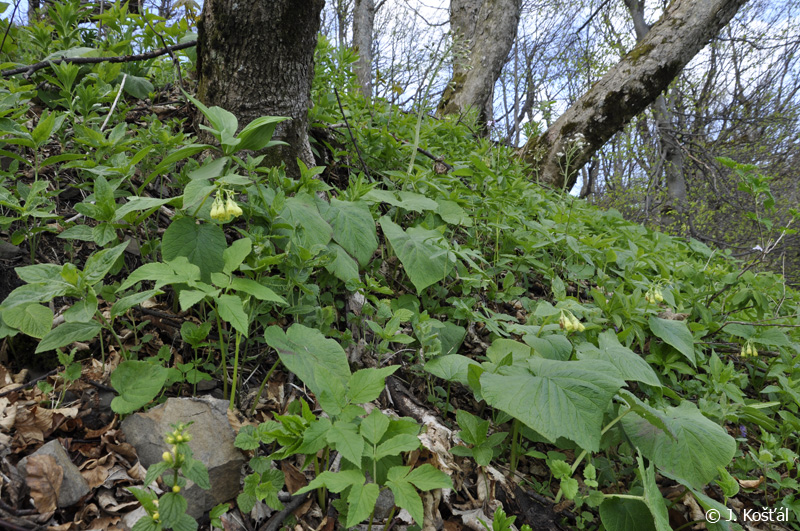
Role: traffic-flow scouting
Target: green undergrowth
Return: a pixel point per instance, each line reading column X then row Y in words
column 616, row 356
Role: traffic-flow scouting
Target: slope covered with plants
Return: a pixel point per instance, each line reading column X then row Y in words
column 525, row 350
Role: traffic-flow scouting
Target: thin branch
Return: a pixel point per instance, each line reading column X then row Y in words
column 352, row 138
column 114, row 105
column 10, row 21
column 428, row 154
column 591, row 17
column 30, row 69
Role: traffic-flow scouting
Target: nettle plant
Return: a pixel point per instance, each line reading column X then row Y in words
column 371, row 445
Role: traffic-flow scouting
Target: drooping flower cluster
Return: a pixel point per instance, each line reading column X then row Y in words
column 226, row 210
column 654, row 295
column 569, row 322
column 749, row 350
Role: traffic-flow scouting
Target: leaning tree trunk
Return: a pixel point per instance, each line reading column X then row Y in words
column 363, row 22
column 483, row 33
column 626, row 89
column 256, row 58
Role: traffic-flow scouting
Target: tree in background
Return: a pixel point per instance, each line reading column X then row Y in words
column 257, row 58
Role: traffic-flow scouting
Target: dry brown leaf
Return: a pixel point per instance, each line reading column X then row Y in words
column 295, row 480
column 95, row 471
column 751, row 483
column 106, row 523
column 44, row 480
column 34, row 423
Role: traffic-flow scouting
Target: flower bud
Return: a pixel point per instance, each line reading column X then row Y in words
column 167, row 457
column 176, row 489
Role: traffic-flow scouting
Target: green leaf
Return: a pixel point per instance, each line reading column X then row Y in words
column 202, row 245
column 101, row 262
column 353, row 228
column 138, row 87
column 195, row 470
column 335, row 481
column 231, row 310
column 256, row 135
column 33, row 274
column 139, row 204
column 257, row 290
column 137, row 383
column 653, row 497
column 676, row 334
column 171, row 507
column 374, row 426
column 619, row 514
column 552, row 347
column 315, row 437
column 347, row 441
column 631, row 366
column 407, row 200
column 473, row 428
column 452, row 368
column 406, row 497
column 185, row 523
column 342, row 266
column 555, row 398
column 301, row 213
column 404, row 442
column 247, row 438
column 31, row 319
column 361, row 502
column 66, row 334
column 699, row 448
column 126, row 303
column 424, row 257
column 452, row 213
column 303, row 349
column 366, row 385
column 154, row 471
column 146, row 523
column 234, row 255
column 426, row 477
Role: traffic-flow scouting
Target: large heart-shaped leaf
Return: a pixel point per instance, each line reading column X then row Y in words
column 555, row 398
column 423, row 253
column 201, row 244
column 301, row 213
column 303, row 349
column 699, row 446
column 137, row 383
column 353, row 228
column 631, row 366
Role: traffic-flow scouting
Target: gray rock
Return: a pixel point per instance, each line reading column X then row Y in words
column 212, row 443
column 73, row 487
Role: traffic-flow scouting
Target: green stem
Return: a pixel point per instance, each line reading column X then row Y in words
column 389, row 518
column 514, row 450
column 235, row 369
column 264, row 383
column 224, row 360
column 577, row 462
column 447, row 403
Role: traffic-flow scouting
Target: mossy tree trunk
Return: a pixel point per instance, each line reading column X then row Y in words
column 626, row 89
column 483, row 33
column 256, row 58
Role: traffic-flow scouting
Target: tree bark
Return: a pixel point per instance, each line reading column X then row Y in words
column 626, row 89
column 256, row 58
column 363, row 22
column 483, row 33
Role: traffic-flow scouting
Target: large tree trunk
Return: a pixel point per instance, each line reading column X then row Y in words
column 363, row 22
column 626, row 89
column 483, row 33
column 256, row 58
column 671, row 153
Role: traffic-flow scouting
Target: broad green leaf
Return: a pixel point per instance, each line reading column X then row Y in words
column 179, row 154
column 342, row 266
column 231, row 309
column 500, row 348
column 83, row 310
column 361, row 502
column 39, row 292
column 405, row 442
column 31, row 319
column 303, row 349
column 315, row 437
column 374, row 426
column 452, row 368
column 366, row 385
column 255, row 289
column 347, row 441
column 66, row 334
column 126, row 303
column 406, row 497
column 301, row 213
column 426, row 477
column 555, row 398
column 195, row 470
column 552, row 347
column 137, row 382
column 160, row 273
column 171, row 506
column 201, row 244
column 424, row 257
column 699, row 447
column 676, row 334
column 618, row 514
column 38, row 273
column 257, row 134
column 630, row 365
column 234, row 255
column 138, row 87
column 452, row 213
column 101, row 262
column 138, row 204
column 473, row 429
column 407, row 200
column 332, row 396
column 353, row 228
column 653, row 497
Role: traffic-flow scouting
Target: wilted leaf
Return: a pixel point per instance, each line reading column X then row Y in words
column 44, row 480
